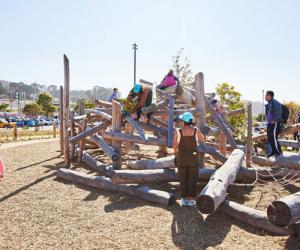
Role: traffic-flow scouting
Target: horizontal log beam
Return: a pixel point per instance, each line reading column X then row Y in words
column 109, row 151
column 289, row 161
column 289, row 143
column 98, row 166
column 100, row 113
column 136, row 127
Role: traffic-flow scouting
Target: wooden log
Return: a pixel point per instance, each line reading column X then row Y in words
column 105, row 110
column 171, row 122
column 235, row 112
column 101, row 114
column 284, row 131
column 157, row 131
column 81, row 142
column 158, row 122
column 109, row 151
column 215, row 191
column 54, row 129
column 103, row 104
column 90, row 131
column 81, row 108
column 210, row 131
column 61, row 119
column 204, row 148
column 159, row 91
column 135, row 139
column 15, row 130
column 116, row 128
column 249, row 134
column 288, row 161
column 176, row 112
column 66, row 111
column 285, row 211
column 217, row 119
column 103, row 183
column 253, row 217
column 289, row 143
column 152, row 108
column 160, row 163
column 72, row 134
column 98, row 166
column 136, row 127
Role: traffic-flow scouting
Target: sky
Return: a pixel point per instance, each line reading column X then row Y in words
column 253, row 45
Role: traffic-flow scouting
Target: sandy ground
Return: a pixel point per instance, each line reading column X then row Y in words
column 40, row 212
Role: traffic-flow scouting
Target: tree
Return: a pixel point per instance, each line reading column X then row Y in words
column 232, row 99
column 88, row 104
column 181, row 67
column 4, row 107
column 3, row 90
column 45, row 102
column 294, row 109
column 259, row 117
column 32, row 109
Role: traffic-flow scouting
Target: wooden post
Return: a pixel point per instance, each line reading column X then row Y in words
column 66, row 111
column 222, row 138
column 171, row 122
column 116, row 127
column 15, row 131
column 81, row 108
column 249, row 134
column 54, row 129
column 81, row 143
column 200, row 107
column 61, row 118
column 72, row 134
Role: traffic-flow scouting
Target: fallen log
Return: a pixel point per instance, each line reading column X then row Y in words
column 160, row 163
column 103, row 183
column 98, row 166
column 253, row 217
column 289, row 143
column 204, row 148
column 215, row 191
column 109, row 151
column 90, row 131
column 285, row 211
column 136, row 126
column 286, row 161
column 284, row 131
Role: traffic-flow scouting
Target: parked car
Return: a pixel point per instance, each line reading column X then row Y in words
column 29, row 122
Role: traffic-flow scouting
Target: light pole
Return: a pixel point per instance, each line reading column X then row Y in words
column 263, row 106
column 134, row 47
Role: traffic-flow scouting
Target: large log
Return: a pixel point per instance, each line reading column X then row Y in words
column 171, row 122
column 284, row 131
column 65, row 121
column 253, row 217
column 61, row 119
column 109, row 151
column 288, row 161
column 103, row 183
column 98, row 166
column 176, row 112
column 81, row 142
column 158, row 122
column 289, row 143
column 215, row 191
column 249, row 134
column 100, row 113
column 72, row 134
column 160, row 163
column 217, row 119
column 204, row 148
column 285, row 211
column 103, row 104
column 136, row 127
column 90, row 131
column 116, row 128
column 234, row 112
column 157, row 131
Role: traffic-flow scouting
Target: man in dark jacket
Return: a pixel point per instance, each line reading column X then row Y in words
column 273, row 114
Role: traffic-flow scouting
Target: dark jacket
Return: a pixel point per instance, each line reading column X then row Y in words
column 273, row 111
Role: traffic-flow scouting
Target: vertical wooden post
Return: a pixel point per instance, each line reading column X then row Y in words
column 116, row 127
column 171, row 122
column 72, row 134
column 81, row 107
column 61, row 119
column 81, row 143
column 54, row 129
column 200, row 106
column 15, row 131
column 222, row 137
column 249, row 134
column 66, row 111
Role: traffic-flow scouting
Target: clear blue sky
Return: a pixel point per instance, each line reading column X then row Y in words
column 253, row 45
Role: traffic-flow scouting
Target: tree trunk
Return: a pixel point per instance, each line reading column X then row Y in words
column 103, row 183
column 253, row 217
column 98, row 166
column 289, row 161
column 215, row 191
column 89, row 131
column 285, row 211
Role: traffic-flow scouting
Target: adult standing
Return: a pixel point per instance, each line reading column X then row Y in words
column 274, row 119
column 185, row 147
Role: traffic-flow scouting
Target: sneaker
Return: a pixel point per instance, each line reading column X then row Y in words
column 191, row 203
column 183, row 202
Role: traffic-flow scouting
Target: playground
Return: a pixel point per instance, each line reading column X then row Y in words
column 39, row 211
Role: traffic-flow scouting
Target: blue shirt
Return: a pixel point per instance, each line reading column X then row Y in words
column 113, row 96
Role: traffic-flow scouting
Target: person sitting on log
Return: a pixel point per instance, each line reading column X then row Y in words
column 273, row 114
column 143, row 93
column 187, row 159
column 114, row 95
column 168, row 81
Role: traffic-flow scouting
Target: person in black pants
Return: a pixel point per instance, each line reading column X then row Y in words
column 296, row 134
column 273, row 114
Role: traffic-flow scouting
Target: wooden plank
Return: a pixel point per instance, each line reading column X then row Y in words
column 249, row 134
column 171, row 122
column 72, row 134
column 66, row 111
column 61, row 119
column 81, row 143
column 214, row 193
column 116, row 128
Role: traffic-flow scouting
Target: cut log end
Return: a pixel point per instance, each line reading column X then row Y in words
column 279, row 214
column 205, row 204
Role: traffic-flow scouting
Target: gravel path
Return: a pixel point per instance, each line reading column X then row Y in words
column 39, row 212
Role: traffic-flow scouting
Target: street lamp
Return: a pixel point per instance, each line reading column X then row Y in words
column 263, row 106
column 134, row 47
